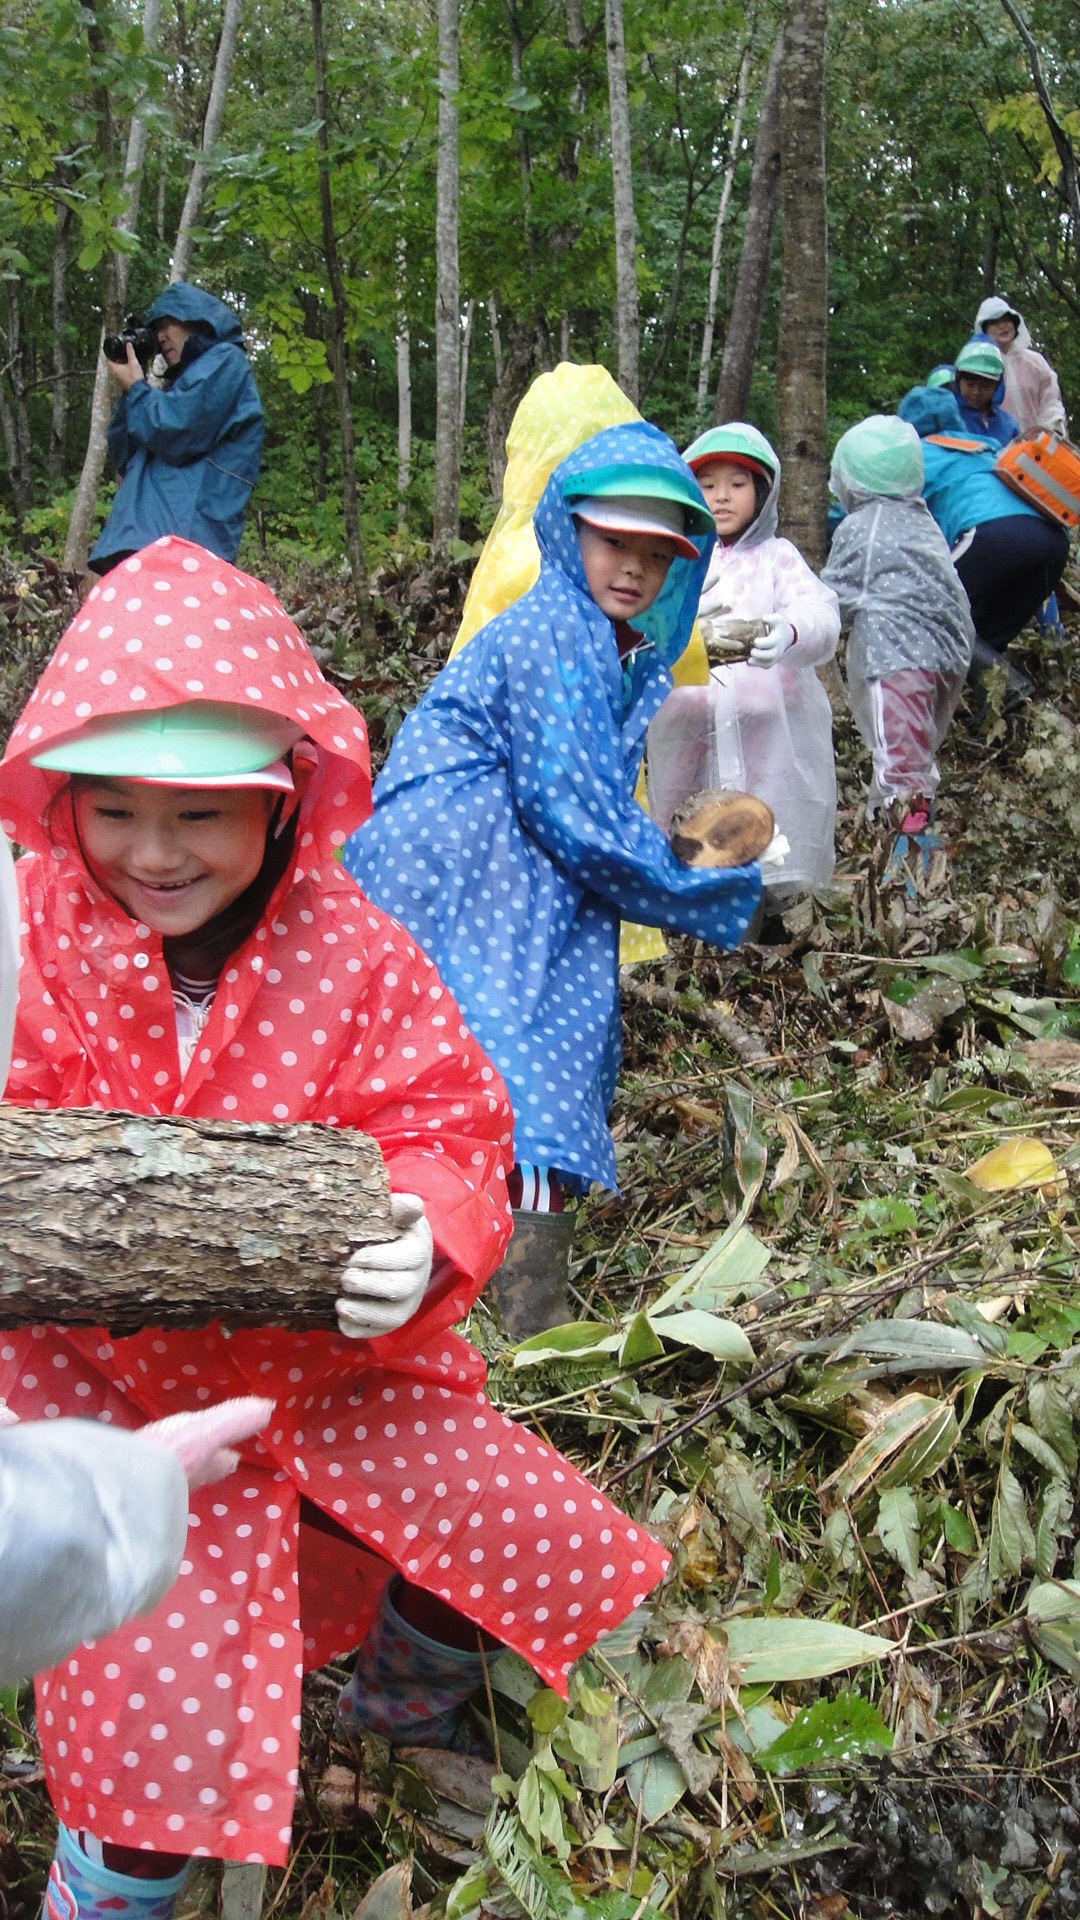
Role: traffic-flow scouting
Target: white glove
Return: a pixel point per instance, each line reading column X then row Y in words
column 384, row 1285
column 773, row 644
column 204, row 1441
column 774, row 856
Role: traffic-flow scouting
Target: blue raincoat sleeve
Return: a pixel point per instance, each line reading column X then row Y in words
column 183, row 423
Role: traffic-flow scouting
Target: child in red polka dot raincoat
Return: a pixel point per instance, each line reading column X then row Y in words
column 183, row 776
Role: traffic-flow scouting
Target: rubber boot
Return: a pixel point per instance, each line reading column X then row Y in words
column 79, row 1888
column 407, row 1687
column 528, row 1291
column 1018, row 688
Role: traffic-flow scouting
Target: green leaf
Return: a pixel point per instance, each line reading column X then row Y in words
column 692, row 1328
column 546, row 1710
column 530, row 1805
column 794, row 1649
column 1040, row 1450
column 916, row 1434
column 897, row 1527
column 840, row 1729
column 640, row 1342
column 993, row 1339
column 1012, row 1542
column 1052, row 1418
column 726, row 1271
column 579, row 1340
column 959, row 1531
column 910, row 1346
column 655, row 1785
column 1055, row 1516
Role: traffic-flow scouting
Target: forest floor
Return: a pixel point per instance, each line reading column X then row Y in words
column 857, row 1692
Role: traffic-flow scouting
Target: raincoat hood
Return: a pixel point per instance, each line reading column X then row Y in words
column 997, row 308
column 633, row 449
column 192, row 307
column 171, row 625
column 932, row 410
column 881, row 457
column 737, row 436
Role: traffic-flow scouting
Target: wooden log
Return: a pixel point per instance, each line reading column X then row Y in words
column 126, row 1221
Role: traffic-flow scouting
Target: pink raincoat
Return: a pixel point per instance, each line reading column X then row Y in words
column 180, row 1732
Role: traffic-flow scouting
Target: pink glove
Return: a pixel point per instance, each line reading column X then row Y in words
column 204, row 1442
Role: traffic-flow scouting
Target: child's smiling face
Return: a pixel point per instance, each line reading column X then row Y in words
column 624, row 571
column 173, row 856
column 729, row 492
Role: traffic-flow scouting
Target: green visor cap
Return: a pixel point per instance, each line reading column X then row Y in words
column 981, row 356
column 736, row 438
column 939, row 376
column 202, row 740
column 644, row 483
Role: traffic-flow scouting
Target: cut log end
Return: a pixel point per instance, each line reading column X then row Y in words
column 721, row 829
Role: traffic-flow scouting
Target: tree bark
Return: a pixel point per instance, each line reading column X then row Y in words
column 447, row 289
column 622, row 184
column 404, row 392
column 466, row 342
column 1069, row 187
column 215, row 114
column 127, row 1221
column 516, row 373
column 60, row 395
column 496, row 337
column 22, row 474
column 804, row 295
column 114, row 268
column 709, row 330
column 744, row 320
column 339, row 364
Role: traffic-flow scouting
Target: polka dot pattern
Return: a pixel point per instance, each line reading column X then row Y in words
column 507, row 839
column 181, row 1731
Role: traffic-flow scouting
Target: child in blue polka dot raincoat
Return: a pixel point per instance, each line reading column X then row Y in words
column 506, row 836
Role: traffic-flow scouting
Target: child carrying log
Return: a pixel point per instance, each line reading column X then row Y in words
column 183, row 776
column 506, row 836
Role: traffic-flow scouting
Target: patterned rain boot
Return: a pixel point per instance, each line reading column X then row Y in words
column 81, row 1888
column 407, row 1687
column 529, row 1289
column 910, row 861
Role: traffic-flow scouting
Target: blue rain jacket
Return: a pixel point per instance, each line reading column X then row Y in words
column 960, row 487
column 506, row 836
column 996, row 425
column 187, row 454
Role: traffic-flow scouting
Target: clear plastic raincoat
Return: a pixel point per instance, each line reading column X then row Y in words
column 1032, row 393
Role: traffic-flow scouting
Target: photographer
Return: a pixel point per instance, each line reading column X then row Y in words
column 187, row 453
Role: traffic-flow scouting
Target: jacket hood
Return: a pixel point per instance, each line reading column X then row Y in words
column 932, row 410
column 998, row 308
column 738, row 436
column 171, row 625
column 668, row 622
column 191, row 305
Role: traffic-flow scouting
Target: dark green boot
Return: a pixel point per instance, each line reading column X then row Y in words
column 528, row 1292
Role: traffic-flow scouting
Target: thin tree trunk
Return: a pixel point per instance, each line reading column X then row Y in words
column 718, row 232
column 338, row 358
column 1063, row 146
column 211, row 134
column 60, row 396
column 23, row 476
column 404, row 393
column 622, row 183
column 496, row 337
column 564, row 337
column 114, row 268
column 466, row 340
column 447, row 289
column 517, row 369
column 11, row 451
column 804, row 295
column 744, row 320
column 575, row 24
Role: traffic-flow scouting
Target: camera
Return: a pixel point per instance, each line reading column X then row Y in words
column 143, row 339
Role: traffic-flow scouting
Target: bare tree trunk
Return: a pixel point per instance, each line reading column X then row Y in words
column 60, row 396
column 564, row 337
column 804, row 296
column 447, row 289
column 338, row 358
column 22, row 476
column 744, row 320
column 404, row 393
column 114, row 268
column 575, row 24
column 11, row 451
column 517, row 369
column 730, row 164
column 622, row 182
column 1069, row 187
column 466, row 341
column 130, row 1220
column 215, row 114
column 496, row 337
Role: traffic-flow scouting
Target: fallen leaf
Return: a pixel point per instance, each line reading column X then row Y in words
column 1016, row 1163
column 390, row 1896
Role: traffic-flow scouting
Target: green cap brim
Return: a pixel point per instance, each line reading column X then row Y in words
column 650, row 483
column 202, row 740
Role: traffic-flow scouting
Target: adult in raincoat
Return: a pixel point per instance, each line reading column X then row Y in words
column 187, row 453
column 910, row 632
column 1032, row 393
column 182, row 1734
column 1009, row 556
column 506, row 836
column 763, row 729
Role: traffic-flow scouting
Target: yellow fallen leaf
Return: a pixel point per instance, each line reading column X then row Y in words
column 1017, row 1163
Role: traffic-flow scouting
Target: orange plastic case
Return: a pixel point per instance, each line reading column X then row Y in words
column 1044, row 471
